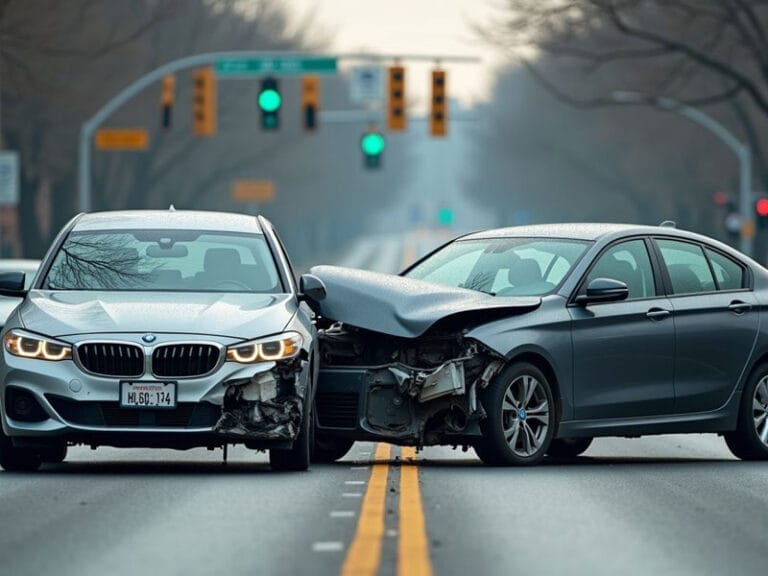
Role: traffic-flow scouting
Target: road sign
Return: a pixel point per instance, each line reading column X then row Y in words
column 253, row 191
column 122, row 139
column 287, row 65
column 9, row 178
column 366, row 84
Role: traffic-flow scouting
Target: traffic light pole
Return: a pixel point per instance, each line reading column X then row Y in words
column 742, row 151
column 89, row 127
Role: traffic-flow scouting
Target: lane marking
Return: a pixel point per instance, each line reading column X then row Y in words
column 354, row 482
column 364, row 554
column 412, row 546
column 327, row 547
column 342, row 513
column 359, row 467
column 351, row 495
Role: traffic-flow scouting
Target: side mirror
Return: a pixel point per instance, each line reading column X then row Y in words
column 603, row 290
column 12, row 284
column 310, row 286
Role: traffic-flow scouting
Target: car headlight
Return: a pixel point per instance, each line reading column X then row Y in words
column 281, row 347
column 27, row 345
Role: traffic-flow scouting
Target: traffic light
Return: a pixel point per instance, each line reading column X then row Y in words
column 438, row 118
column 167, row 88
column 204, row 101
column 396, row 111
column 761, row 211
column 310, row 101
column 269, row 103
column 445, row 216
column 372, row 144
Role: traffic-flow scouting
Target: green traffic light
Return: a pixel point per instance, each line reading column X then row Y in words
column 445, row 216
column 270, row 100
column 372, row 144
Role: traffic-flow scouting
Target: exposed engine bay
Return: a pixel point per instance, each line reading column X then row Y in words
column 267, row 406
column 420, row 391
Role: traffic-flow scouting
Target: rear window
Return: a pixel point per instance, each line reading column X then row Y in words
column 164, row 260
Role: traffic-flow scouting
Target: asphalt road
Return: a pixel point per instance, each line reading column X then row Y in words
column 664, row 505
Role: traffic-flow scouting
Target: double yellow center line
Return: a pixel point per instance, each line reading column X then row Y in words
column 364, row 555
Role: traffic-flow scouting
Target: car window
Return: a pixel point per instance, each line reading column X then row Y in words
column 502, row 266
column 170, row 260
column 729, row 274
column 626, row 262
column 687, row 266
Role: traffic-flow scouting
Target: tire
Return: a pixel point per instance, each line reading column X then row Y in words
column 327, row 449
column 519, row 400
column 55, row 454
column 568, row 447
column 13, row 459
column 750, row 439
column 296, row 459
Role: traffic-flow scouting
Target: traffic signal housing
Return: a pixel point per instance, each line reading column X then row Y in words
column 438, row 117
column 372, row 144
column 204, row 101
column 310, row 101
column 167, row 90
column 761, row 212
column 396, row 121
column 269, row 102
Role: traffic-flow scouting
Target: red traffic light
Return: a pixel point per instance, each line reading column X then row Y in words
column 761, row 207
column 720, row 198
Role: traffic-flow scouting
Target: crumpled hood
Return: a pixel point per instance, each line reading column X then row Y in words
column 406, row 307
column 62, row 313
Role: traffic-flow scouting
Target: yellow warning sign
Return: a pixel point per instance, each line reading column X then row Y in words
column 122, row 139
column 253, row 190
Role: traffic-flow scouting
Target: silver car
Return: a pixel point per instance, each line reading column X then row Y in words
column 165, row 329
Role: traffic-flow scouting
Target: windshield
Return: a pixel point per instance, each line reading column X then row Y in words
column 502, row 266
column 166, row 260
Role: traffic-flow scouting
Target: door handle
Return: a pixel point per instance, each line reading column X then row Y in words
column 658, row 313
column 739, row 307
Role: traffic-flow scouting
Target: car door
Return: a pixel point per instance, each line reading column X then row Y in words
column 623, row 352
column 716, row 322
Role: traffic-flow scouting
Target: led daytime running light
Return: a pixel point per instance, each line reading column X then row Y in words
column 36, row 348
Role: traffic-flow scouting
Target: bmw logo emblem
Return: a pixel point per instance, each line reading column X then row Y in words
column 149, row 338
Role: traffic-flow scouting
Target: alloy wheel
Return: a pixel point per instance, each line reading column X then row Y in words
column 760, row 410
column 525, row 415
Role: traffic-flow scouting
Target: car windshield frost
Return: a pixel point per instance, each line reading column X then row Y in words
column 164, row 260
column 502, row 266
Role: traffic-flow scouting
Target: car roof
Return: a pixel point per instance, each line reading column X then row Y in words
column 168, row 220
column 580, row 231
column 19, row 265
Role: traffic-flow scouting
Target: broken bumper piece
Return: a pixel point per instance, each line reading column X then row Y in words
column 267, row 406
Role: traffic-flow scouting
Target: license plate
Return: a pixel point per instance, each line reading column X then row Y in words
column 148, row 394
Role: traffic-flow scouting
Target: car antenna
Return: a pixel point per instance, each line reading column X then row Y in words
column 668, row 224
column 171, row 208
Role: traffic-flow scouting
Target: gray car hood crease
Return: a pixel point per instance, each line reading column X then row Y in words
column 404, row 307
column 242, row 316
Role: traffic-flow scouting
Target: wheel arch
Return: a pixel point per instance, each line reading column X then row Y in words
column 542, row 363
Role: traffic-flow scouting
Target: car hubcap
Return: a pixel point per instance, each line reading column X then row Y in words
column 760, row 410
column 525, row 415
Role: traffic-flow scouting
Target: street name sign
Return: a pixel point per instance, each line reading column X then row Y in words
column 288, row 65
column 9, row 178
column 366, row 84
column 122, row 139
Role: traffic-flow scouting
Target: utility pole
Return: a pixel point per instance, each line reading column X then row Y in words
column 739, row 148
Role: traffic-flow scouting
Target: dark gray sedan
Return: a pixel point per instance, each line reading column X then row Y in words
column 529, row 341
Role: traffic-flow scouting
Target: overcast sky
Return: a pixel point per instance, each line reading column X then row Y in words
column 442, row 27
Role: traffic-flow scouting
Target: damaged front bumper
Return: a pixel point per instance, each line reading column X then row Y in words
column 398, row 402
column 267, row 406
